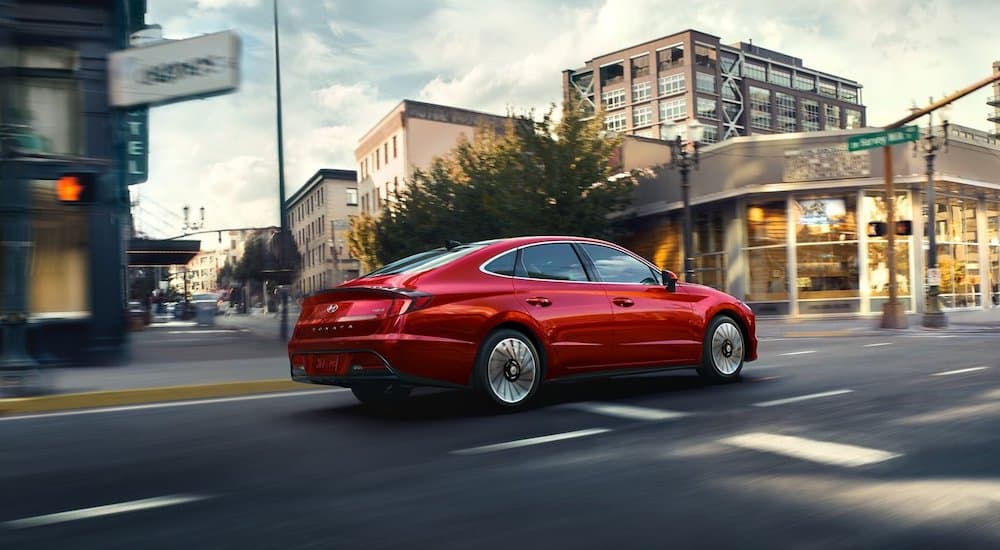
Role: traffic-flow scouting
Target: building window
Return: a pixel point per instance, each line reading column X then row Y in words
column 673, row 84
column 849, row 94
column 852, row 118
column 827, row 247
column 378, row 161
column 760, row 108
column 60, row 259
column 832, row 117
column 780, row 77
column 784, row 105
column 708, row 108
column 804, row 82
column 613, row 99
column 705, row 82
column 730, row 91
column 705, row 56
column 394, row 151
column 385, row 151
column 729, row 63
column 827, row 88
column 810, row 115
column 732, row 111
column 710, row 134
column 612, row 74
column 754, row 70
column 767, row 255
column 673, row 110
column 669, row 58
column 640, row 66
column 642, row 116
column 43, row 103
column 642, row 91
column 615, row 122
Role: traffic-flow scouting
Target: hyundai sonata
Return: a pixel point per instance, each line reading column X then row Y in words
column 503, row 316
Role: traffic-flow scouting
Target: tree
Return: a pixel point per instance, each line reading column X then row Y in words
column 539, row 177
column 361, row 241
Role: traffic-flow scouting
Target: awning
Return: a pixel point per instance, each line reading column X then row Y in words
column 150, row 252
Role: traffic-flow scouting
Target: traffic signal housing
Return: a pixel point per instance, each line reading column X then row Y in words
column 77, row 187
column 881, row 229
column 877, row 229
column 904, row 227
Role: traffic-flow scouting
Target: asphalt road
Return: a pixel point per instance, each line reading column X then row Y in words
column 856, row 442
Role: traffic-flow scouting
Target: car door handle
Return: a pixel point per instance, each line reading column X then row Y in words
column 623, row 302
column 539, row 301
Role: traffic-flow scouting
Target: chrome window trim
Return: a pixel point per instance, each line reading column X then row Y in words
column 482, row 266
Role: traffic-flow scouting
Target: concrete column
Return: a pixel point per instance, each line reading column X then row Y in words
column 917, row 274
column 792, row 263
column 737, row 266
column 982, row 238
column 864, row 285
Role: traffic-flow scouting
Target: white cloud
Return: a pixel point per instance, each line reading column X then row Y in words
column 346, row 64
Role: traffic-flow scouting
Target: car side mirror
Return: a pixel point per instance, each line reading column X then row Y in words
column 669, row 280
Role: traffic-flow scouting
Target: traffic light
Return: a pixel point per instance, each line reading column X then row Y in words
column 77, row 187
column 877, row 229
column 904, row 227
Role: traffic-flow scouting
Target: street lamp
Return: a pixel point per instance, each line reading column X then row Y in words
column 933, row 316
column 193, row 225
column 684, row 156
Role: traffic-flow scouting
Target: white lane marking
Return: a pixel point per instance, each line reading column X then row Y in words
column 170, row 404
column 878, row 345
column 627, row 411
column 206, row 331
column 797, row 353
column 959, row 371
column 800, row 398
column 823, row 452
column 107, row 510
column 530, row 441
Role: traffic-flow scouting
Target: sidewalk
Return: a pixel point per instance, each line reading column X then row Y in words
column 971, row 321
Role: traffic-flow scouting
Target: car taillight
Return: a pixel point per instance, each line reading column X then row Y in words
column 415, row 302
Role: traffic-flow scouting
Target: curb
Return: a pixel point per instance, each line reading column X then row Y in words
column 114, row 398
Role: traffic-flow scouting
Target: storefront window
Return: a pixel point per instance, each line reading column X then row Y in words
column 767, row 255
column 60, row 261
column 709, row 250
column 827, row 249
column 957, row 251
column 874, row 210
column 43, row 107
column 993, row 241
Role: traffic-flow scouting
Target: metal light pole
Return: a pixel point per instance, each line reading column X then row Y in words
column 282, row 253
column 683, row 159
column 933, row 316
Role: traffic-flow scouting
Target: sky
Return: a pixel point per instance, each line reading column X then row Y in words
column 346, row 63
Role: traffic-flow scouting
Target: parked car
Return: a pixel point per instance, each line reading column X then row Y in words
column 503, row 316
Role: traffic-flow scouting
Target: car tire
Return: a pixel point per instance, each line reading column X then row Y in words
column 509, row 369
column 723, row 350
column 380, row 394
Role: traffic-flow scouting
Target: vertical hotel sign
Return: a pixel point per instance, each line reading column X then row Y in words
column 137, row 145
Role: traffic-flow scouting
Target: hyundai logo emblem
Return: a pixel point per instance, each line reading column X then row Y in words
column 332, row 308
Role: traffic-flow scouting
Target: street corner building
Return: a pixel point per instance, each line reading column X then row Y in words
column 782, row 221
column 64, row 211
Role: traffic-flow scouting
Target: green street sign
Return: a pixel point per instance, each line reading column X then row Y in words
column 883, row 138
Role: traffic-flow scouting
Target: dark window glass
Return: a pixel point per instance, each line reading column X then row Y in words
column 426, row 260
column 555, row 261
column 615, row 266
column 504, row 265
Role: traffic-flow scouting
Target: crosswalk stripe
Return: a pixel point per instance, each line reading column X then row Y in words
column 796, row 399
column 529, row 441
column 823, row 452
column 628, row 411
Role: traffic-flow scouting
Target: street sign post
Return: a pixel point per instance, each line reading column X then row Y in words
column 884, row 138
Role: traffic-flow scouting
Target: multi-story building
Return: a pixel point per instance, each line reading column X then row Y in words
column 657, row 88
column 994, row 101
column 319, row 216
column 409, row 138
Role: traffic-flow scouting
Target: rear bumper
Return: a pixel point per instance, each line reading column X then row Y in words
column 351, row 367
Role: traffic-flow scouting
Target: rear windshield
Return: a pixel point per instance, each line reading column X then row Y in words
column 426, row 260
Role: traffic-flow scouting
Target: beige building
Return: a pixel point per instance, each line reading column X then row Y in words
column 408, row 139
column 994, row 101
column 319, row 216
column 782, row 221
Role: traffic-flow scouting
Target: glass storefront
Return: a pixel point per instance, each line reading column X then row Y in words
column 826, row 243
column 874, row 209
column 767, row 252
column 957, row 251
column 59, row 264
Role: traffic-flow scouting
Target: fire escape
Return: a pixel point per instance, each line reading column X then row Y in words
column 994, row 101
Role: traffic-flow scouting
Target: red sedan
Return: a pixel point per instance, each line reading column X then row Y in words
column 503, row 316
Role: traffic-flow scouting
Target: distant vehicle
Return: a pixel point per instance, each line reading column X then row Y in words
column 503, row 316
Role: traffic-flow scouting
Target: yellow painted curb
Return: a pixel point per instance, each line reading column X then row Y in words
column 819, row 333
column 115, row 398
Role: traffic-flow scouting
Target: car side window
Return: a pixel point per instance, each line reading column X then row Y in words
column 615, row 266
column 504, row 265
column 556, row 261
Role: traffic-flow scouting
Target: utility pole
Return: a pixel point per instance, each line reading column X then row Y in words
column 282, row 240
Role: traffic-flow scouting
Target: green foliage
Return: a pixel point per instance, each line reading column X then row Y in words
column 361, row 241
column 543, row 177
column 257, row 258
